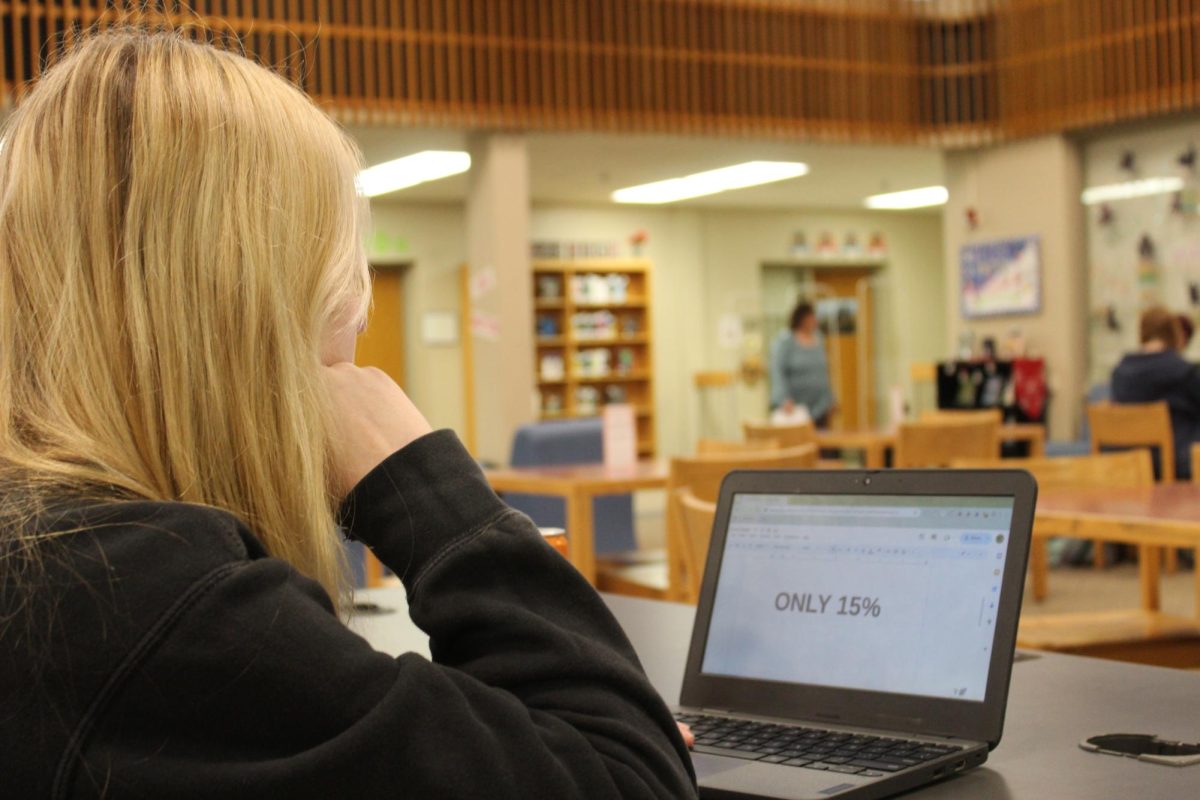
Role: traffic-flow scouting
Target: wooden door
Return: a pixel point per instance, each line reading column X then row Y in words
column 382, row 344
column 849, row 341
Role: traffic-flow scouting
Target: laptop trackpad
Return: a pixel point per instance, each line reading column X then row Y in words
column 707, row 766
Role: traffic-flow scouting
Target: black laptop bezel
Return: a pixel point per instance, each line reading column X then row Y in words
column 917, row 714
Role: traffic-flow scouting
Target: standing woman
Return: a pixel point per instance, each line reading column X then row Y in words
column 800, row 368
column 181, row 432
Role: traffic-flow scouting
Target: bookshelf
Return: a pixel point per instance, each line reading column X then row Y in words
column 593, row 335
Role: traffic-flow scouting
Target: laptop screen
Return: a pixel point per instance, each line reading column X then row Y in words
column 883, row 593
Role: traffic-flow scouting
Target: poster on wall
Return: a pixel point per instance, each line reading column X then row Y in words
column 1001, row 277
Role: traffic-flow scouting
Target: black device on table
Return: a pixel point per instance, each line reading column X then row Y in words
column 855, row 631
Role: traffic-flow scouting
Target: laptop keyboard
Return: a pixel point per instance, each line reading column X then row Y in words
column 811, row 748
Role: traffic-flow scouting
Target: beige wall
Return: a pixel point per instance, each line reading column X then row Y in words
column 737, row 243
column 706, row 262
column 1114, row 262
column 497, row 230
column 1026, row 188
column 432, row 240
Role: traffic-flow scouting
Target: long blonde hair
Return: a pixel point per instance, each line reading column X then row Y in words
column 179, row 230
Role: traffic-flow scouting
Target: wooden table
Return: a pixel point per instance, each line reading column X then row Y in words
column 1032, row 433
column 1154, row 517
column 875, row 443
column 579, row 485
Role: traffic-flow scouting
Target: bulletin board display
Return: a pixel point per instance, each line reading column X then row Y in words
column 1143, row 254
column 1001, row 278
column 1141, row 250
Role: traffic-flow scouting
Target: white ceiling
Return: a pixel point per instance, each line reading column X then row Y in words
column 586, row 168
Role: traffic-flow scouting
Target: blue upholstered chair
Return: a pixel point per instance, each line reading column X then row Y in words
column 572, row 441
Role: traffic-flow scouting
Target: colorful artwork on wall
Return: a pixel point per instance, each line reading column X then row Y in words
column 1003, row 277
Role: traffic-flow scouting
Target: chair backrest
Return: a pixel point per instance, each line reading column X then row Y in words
column 560, row 441
column 702, row 476
column 571, row 441
column 787, row 435
column 962, row 414
column 697, row 518
column 708, row 447
column 1124, row 470
column 1127, row 425
column 1096, row 393
column 938, row 443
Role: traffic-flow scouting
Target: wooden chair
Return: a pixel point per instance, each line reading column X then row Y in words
column 1118, row 470
column 787, row 435
column 697, row 517
column 939, row 443
column 1121, row 470
column 1133, row 635
column 708, row 447
column 1129, row 425
column 372, row 569
column 703, row 476
column 962, row 415
column 1139, row 635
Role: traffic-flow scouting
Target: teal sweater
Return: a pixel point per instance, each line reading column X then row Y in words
column 801, row 373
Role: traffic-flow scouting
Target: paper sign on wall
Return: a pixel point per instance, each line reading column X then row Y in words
column 439, row 328
column 729, row 331
column 483, row 281
column 485, row 326
column 620, row 435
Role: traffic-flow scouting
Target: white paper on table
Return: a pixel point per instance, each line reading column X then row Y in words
column 797, row 416
column 620, row 435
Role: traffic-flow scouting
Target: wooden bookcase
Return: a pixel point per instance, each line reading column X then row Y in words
column 601, row 336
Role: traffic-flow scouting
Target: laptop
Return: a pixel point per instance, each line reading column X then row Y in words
column 856, row 630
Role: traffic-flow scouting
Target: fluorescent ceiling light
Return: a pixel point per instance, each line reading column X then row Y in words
column 428, row 165
column 910, row 198
column 738, row 176
column 1130, row 189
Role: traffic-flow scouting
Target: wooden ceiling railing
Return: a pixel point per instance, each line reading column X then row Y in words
column 947, row 72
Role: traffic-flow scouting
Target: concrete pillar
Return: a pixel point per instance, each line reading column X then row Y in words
column 501, row 291
column 1028, row 187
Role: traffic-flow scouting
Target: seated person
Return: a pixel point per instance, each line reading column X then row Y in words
column 1157, row 372
column 182, row 431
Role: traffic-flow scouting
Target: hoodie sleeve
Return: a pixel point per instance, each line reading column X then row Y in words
column 255, row 689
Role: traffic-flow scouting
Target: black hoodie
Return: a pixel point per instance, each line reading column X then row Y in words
column 164, row 654
column 1164, row 375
